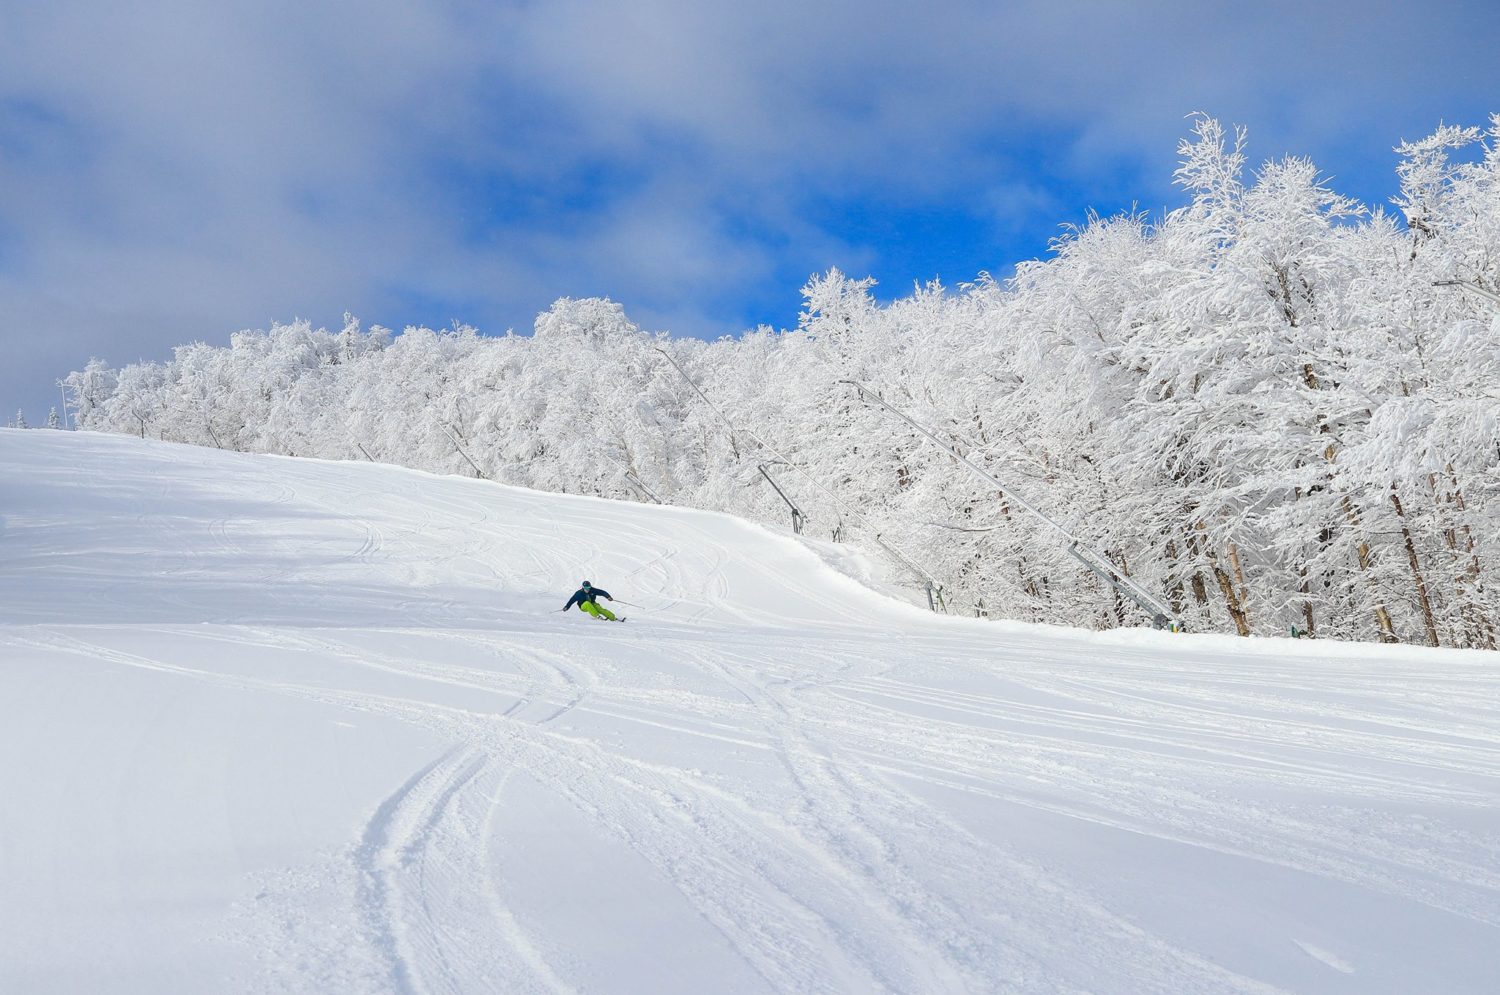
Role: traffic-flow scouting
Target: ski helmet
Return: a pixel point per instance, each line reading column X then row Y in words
column 585, row 583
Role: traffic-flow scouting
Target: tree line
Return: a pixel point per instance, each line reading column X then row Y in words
column 1274, row 406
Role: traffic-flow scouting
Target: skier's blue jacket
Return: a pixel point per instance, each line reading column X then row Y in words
column 586, row 594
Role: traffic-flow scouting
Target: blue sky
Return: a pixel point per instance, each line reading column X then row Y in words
column 174, row 171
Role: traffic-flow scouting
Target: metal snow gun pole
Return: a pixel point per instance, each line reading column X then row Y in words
column 1468, row 285
column 934, row 589
column 1097, row 562
column 797, row 517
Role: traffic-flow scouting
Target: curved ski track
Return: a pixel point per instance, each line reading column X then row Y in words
column 835, row 881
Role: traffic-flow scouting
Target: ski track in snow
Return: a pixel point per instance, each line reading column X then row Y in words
column 846, row 794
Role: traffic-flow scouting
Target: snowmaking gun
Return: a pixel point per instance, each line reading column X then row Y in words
column 1100, row 565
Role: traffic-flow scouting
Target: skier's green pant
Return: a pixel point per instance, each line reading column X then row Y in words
column 593, row 609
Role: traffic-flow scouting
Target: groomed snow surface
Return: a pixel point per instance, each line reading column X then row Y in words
column 280, row 725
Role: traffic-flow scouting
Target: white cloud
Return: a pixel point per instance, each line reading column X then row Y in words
column 172, row 170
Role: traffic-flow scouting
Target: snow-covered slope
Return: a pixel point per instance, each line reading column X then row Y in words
column 269, row 724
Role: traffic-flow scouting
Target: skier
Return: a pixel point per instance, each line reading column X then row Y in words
column 585, row 598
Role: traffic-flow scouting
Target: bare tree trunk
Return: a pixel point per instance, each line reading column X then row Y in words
column 1199, row 585
column 1459, row 616
column 1239, row 577
column 1366, row 561
column 1473, row 610
column 1309, row 621
column 1416, row 571
column 1174, row 590
column 1232, row 602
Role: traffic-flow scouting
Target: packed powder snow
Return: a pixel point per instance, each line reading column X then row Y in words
column 285, row 725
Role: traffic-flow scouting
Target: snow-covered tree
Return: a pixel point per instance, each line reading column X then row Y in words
column 1261, row 406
